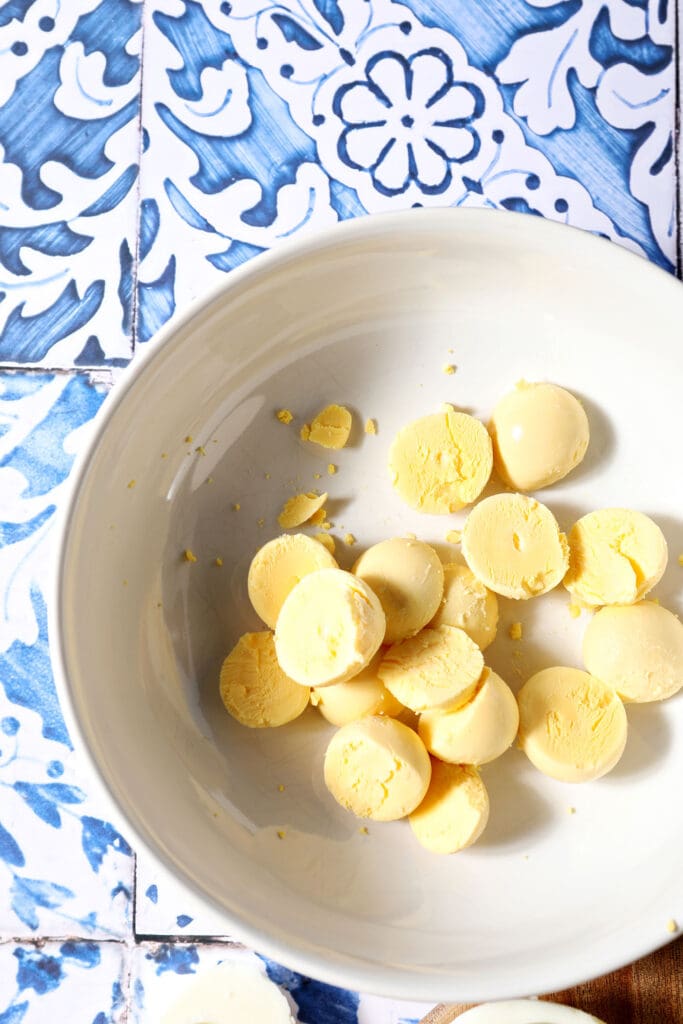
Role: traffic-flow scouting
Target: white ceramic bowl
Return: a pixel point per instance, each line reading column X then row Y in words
column 368, row 314
column 525, row 1011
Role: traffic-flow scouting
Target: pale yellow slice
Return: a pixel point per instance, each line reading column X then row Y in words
column 479, row 731
column 330, row 627
column 363, row 695
column 378, row 768
column 616, row 556
column 468, row 604
column 253, row 687
column 438, row 668
column 407, row 576
column 278, row 566
column 299, row 509
column 330, row 428
column 540, row 434
column 572, row 726
column 454, row 812
column 513, row 544
column 637, row 649
column 441, row 462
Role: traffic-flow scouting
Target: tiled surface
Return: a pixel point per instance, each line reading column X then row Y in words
column 129, row 186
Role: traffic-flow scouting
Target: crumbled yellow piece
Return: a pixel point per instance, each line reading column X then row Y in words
column 318, row 518
column 281, row 833
column 125, row 583
column 189, row 439
column 326, row 541
column 209, row 479
column 330, row 428
column 370, row 427
column 454, row 536
column 574, row 610
column 349, row 539
column 200, row 449
column 672, row 926
column 189, row 556
column 267, row 476
column 327, row 526
column 317, row 476
column 218, row 561
column 280, row 788
column 305, row 432
column 284, row 416
column 159, row 604
column 410, row 536
column 164, row 455
column 680, row 559
column 331, row 468
column 449, row 369
column 515, row 631
column 299, row 509
column 131, row 484
column 654, row 600
column 571, row 810
column 236, row 506
column 364, row 830
column 260, row 522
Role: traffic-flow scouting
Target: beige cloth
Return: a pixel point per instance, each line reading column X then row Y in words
column 649, row 991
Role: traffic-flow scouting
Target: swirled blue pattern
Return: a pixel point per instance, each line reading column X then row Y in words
column 128, row 186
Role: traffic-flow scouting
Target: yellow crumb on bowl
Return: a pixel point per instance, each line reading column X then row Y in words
column 236, row 506
column 672, row 926
column 209, row 480
column 364, row 830
column 189, row 556
column 349, row 539
column 331, row 468
column 280, row 788
column 189, row 439
column 371, row 428
column 305, row 432
column 281, row 833
column 131, row 484
column 260, row 522
column 299, row 509
column 571, row 810
column 449, row 369
column 453, row 536
column 574, row 610
column 680, row 559
column 515, row 631
column 326, row 541
column 331, row 427
column 284, row 416
column 200, row 449
column 327, row 526
column 317, row 476
column 164, row 455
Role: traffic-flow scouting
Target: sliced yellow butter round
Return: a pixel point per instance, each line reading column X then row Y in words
column 467, row 604
column 441, row 462
column 637, row 649
column 438, row 668
column 616, row 556
column 479, row 731
column 540, row 434
column 407, row 576
column 513, row 544
column 378, row 768
column 329, row 628
column 253, row 687
column 363, row 695
column 454, row 812
column 278, row 566
column 572, row 726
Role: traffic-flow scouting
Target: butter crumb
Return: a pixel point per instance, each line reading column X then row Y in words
column 454, row 536
column 300, row 509
column 327, row 541
column 209, row 479
column 218, row 562
column 680, row 559
column 571, row 810
column 189, row 439
column 331, row 468
column 672, row 926
column 284, row 416
column 349, row 539
column 515, row 631
column 305, row 432
column 267, row 476
column 200, row 449
column 327, row 526
column 574, row 610
column 260, row 522
column 125, row 583
column 449, row 369
column 164, row 455
column 317, row 476
column 131, row 484
column 236, row 506
column 371, row 428
column 189, row 556
column 280, row 788
column 363, row 830
column 281, row 833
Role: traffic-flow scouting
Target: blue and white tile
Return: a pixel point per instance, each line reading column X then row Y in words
column 162, row 972
column 69, row 148
column 64, row 868
column 164, row 906
column 70, row 980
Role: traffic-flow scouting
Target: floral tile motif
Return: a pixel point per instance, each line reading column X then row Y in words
column 261, row 120
column 69, row 147
column 71, row 980
column 64, row 869
column 164, row 906
column 162, row 972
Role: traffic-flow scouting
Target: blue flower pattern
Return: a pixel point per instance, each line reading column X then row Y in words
column 259, row 119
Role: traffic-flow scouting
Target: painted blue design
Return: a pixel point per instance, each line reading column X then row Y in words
column 292, row 31
column 138, row 994
column 236, row 254
column 156, row 302
column 332, row 13
column 182, row 920
column 149, row 225
column 345, row 201
column 171, row 957
column 28, row 894
column 107, row 29
column 32, row 337
column 98, row 837
column 56, row 239
column 16, row 1013
column 407, row 156
column 10, row 851
column 55, row 769
column 43, row 799
column 117, row 995
column 200, row 45
column 643, row 54
column 14, row 533
column 92, row 353
column 85, row 953
column 13, row 9
column 37, row 971
column 125, row 289
column 10, row 725
column 152, row 893
column 184, row 209
column 26, row 676
column 317, row 1003
column 114, row 194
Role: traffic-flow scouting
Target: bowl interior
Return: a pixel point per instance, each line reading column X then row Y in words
column 369, row 316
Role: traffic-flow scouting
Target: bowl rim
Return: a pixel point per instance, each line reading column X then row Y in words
column 330, row 967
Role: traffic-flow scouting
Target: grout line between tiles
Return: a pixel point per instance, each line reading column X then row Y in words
column 678, row 184
column 138, row 186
